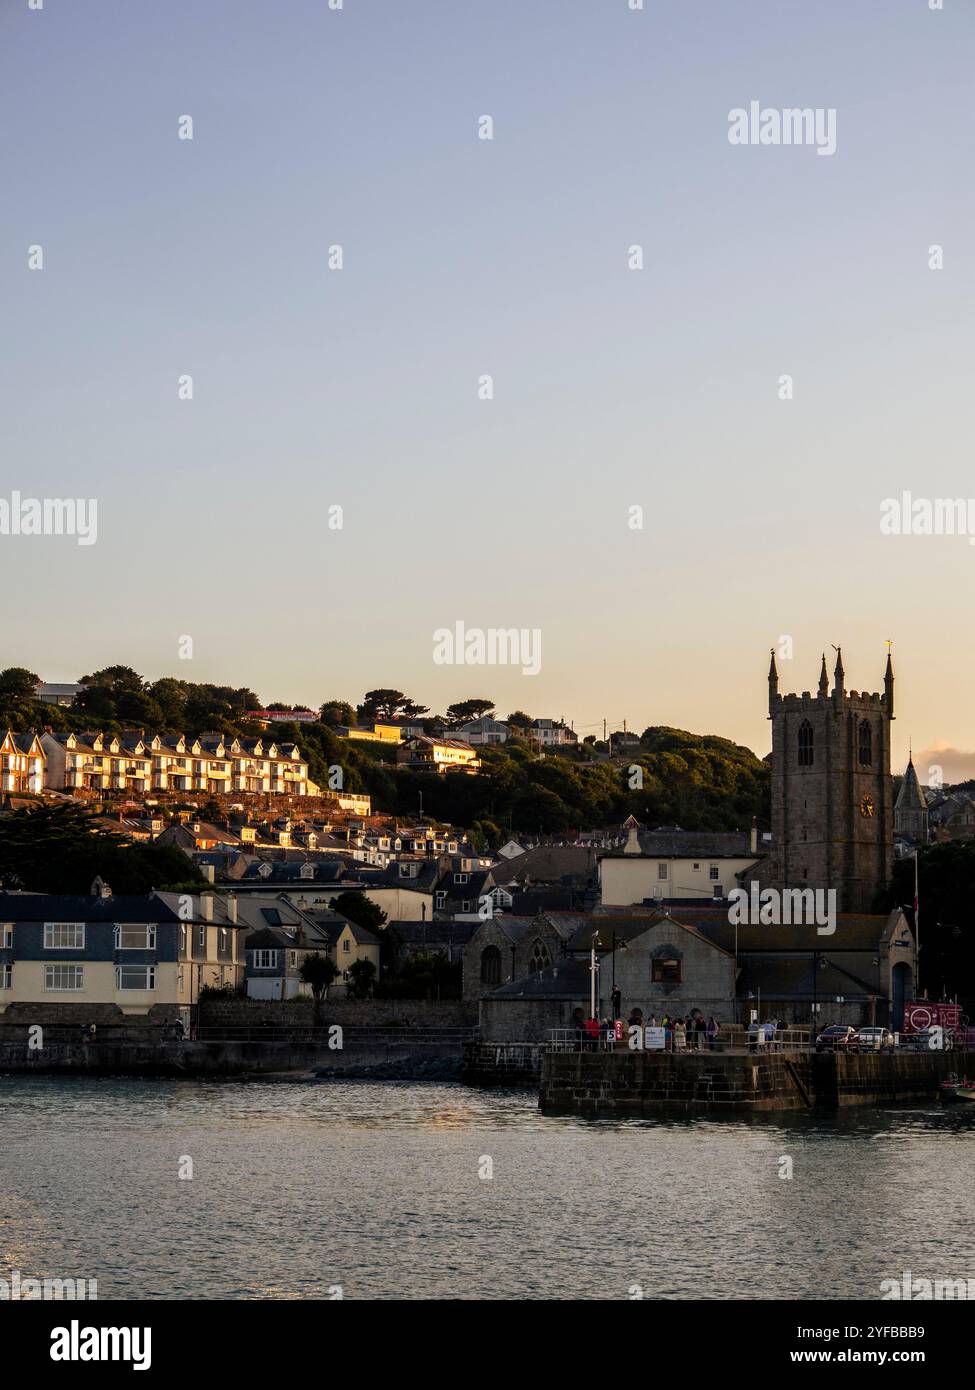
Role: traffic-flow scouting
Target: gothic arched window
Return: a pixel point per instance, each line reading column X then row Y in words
column 805, row 744
column 491, row 967
column 540, row 958
column 866, row 744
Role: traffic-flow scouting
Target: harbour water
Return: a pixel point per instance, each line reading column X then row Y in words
column 381, row 1189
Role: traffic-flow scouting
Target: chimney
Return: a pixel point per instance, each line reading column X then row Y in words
column 206, row 906
column 632, row 845
column 231, row 906
column 207, row 872
column 753, row 837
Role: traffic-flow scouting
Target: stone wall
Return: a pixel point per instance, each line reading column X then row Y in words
column 351, row 1013
column 625, row 1082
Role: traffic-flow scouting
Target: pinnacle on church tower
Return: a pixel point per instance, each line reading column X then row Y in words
column 823, row 680
column 773, row 684
column 838, row 674
column 889, row 687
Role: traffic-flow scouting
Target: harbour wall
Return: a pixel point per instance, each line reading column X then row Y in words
column 393, row 1059
column 627, row 1083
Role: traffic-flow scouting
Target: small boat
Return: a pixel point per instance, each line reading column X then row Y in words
column 957, row 1088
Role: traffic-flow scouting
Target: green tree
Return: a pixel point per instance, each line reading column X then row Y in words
column 361, row 977
column 337, row 713
column 359, row 909
column 17, row 683
column 318, row 971
column 466, row 710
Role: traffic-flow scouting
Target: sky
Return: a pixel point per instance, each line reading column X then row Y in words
column 463, row 258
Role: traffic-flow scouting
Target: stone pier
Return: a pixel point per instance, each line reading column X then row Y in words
column 626, row 1083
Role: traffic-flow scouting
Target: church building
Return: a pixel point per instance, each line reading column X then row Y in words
column 832, row 792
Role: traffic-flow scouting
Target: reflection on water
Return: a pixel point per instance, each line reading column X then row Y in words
column 299, row 1187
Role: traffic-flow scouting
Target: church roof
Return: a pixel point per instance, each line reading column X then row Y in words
column 910, row 797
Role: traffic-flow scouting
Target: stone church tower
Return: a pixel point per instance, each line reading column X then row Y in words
column 832, row 803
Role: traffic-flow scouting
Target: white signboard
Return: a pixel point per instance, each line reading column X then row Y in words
column 655, row 1039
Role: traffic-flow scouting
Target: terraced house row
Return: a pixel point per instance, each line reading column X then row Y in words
column 139, row 762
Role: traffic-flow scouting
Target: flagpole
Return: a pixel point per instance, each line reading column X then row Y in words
column 917, row 932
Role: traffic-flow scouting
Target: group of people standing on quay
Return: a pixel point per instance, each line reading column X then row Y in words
column 680, row 1034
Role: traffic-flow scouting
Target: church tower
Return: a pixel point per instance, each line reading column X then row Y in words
column 832, row 803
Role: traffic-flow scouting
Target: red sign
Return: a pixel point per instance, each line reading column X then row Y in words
column 921, row 1015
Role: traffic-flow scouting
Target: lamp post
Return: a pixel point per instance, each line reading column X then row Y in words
column 593, row 968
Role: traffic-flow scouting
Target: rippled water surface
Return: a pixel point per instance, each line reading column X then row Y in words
column 300, row 1186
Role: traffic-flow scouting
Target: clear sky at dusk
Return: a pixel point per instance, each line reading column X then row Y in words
column 462, row 257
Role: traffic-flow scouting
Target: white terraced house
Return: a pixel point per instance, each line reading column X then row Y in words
column 21, row 763
column 140, row 763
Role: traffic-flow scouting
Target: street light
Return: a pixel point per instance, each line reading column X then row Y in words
column 593, row 967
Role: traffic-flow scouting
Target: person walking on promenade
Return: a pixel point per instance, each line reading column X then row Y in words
column 680, row 1036
column 617, row 1002
column 712, row 1032
column 668, row 1033
column 592, row 1034
column 701, row 1031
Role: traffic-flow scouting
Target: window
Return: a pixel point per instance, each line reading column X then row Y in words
column 697, row 868
column 64, row 977
column 440, row 899
column 665, row 971
column 713, row 872
column 265, row 960
column 7, row 935
column 135, row 977
column 491, row 967
column 224, row 939
column 661, row 871
column 182, row 938
column 540, row 957
column 135, row 938
column 805, row 744
column 201, row 937
column 6, row 977
column 865, row 751
column 346, row 945
column 466, row 905
column 64, row 936
column 461, row 878
column 294, row 959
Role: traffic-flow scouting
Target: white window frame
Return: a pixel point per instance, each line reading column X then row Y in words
column 150, row 978
column 6, row 975
column 346, row 946
column 271, row 958
column 7, row 938
column 77, row 973
column 182, row 938
column 663, row 873
column 201, row 936
column 462, row 878
column 714, row 872
column 51, row 927
column 150, row 936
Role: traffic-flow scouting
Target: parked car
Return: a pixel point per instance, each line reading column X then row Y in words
column 838, row 1037
column 875, row 1040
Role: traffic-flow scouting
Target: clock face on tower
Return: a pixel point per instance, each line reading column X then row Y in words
column 867, row 807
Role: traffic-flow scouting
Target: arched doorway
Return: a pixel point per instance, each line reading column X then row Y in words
column 902, row 991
